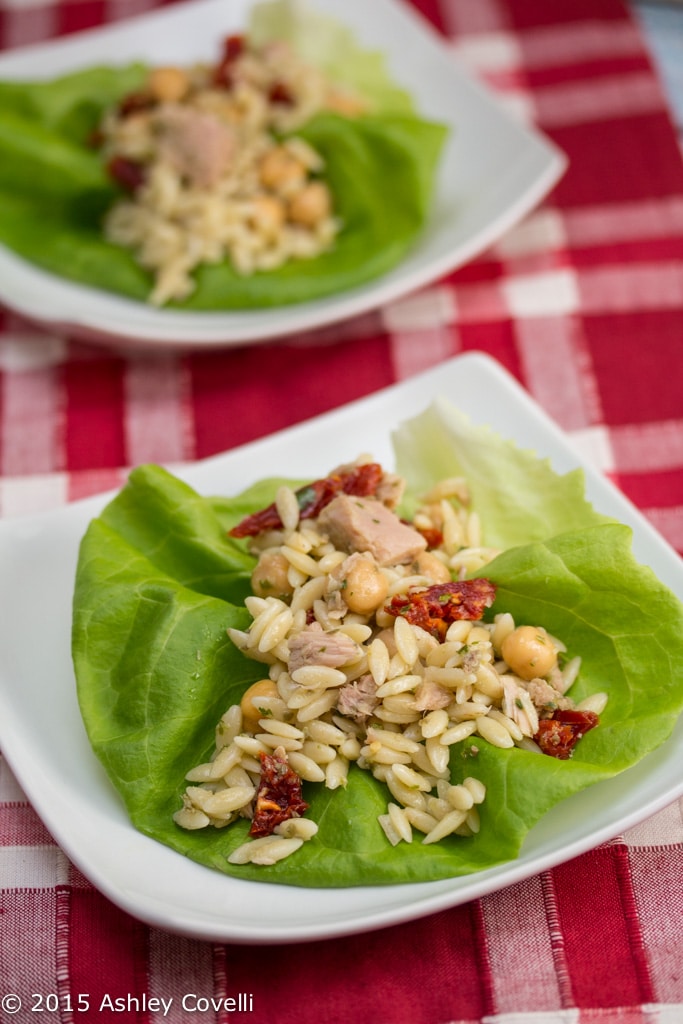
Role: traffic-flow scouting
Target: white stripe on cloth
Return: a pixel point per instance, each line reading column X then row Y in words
column 594, row 445
column 10, row 790
column 119, row 9
column 517, row 933
column 33, row 867
column 26, row 23
column 662, row 829
column 421, row 330
column 647, row 1013
column 158, row 412
column 669, row 522
column 22, row 350
column 571, row 1016
column 629, row 287
column 647, row 447
column 463, row 16
column 558, row 371
column 548, row 46
column 637, row 221
column 598, row 99
column 31, row 427
column 548, row 293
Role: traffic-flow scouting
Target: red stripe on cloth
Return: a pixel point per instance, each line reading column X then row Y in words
column 650, row 490
column 21, row 826
column 645, row 387
column 107, row 955
column 93, row 399
column 497, row 340
column 80, row 14
column 385, row 976
column 622, row 862
column 604, row 961
column 431, row 10
column 595, row 149
column 532, row 13
column 236, row 400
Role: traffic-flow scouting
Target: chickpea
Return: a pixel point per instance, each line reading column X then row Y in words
column 281, row 171
column 364, row 586
column 427, row 564
column 168, row 85
column 346, row 104
column 268, row 215
column 249, row 703
column 311, row 205
column 270, row 576
column 529, row 652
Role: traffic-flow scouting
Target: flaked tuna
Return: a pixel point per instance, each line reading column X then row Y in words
column 364, row 524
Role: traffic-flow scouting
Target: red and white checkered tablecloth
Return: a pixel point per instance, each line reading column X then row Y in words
column 583, row 303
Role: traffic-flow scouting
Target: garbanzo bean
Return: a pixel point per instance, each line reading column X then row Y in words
column 281, row 171
column 268, row 215
column 427, row 564
column 311, row 205
column 529, row 652
column 249, row 703
column 269, row 578
column 364, row 586
column 168, row 85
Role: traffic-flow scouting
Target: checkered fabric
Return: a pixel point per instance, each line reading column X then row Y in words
column 583, row 303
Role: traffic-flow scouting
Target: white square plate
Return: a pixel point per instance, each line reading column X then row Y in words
column 44, row 740
column 493, row 171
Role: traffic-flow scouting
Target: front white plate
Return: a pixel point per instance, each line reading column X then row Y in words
column 494, row 170
column 44, row 740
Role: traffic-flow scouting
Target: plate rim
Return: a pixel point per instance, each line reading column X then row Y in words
column 137, row 324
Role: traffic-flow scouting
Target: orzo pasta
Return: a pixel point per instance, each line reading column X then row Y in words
column 376, row 653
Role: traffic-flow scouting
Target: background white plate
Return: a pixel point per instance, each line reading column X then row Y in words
column 44, row 740
column 494, row 170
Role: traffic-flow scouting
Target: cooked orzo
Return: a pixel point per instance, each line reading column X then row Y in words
column 213, row 167
column 376, row 654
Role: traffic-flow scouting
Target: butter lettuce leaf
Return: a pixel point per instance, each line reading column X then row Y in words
column 159, row 582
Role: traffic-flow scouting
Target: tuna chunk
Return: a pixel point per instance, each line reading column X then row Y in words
column 312, row 646
column 196, row 144
column 357, row 700
column 364, row 524
column 545, row 697
column 429, row 696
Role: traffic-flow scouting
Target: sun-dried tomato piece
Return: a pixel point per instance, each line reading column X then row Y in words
column 312, row 498
column 134, row 102
column 559, row 734
column 431, row 534
column 233, row 47
column 278, row 796
column 128, row 173
column 434, row 608
column 280, row 92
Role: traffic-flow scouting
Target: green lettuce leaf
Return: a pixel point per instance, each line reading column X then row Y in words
column 159, row 582
column 325, row 43
column 54, row 190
